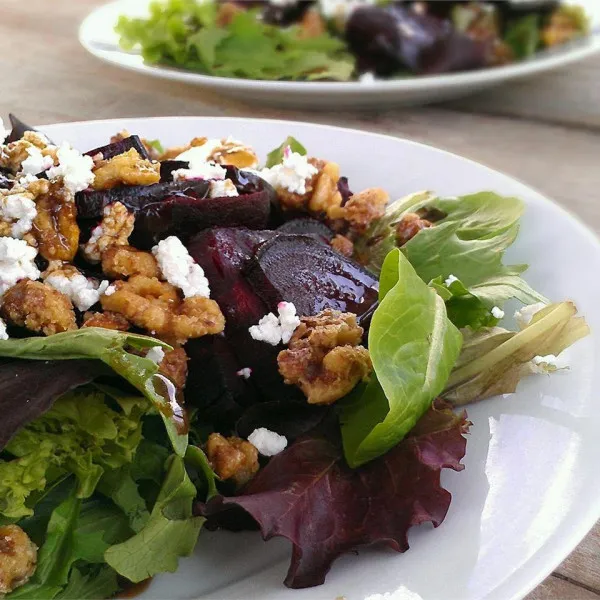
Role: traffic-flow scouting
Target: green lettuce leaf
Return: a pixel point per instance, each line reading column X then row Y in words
column 523, row 36
column 493, row 361
column 275, row 157
column 171, row 531
column 112, row 348
column 98, row 583
column 413, row 347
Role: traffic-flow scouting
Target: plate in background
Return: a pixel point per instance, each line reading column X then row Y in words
column 529, row 492
column 97, row 35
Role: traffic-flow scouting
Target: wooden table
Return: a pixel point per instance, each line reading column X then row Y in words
column 545, row 131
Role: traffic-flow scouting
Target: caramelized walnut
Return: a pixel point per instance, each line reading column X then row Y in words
column 325, row 359
column 232, row 458
column 128, row 168
column 15, row 153
column 18, row 558
column 341, row 244
column 55, row 227
column 106, row 320
column 157, row 307
column 38, row 307
column 227, row 152
column 409, row 226
column 124, row 261
column 114, row 230
column 174, row 366
column 326, row 198
column 364, row 208
column 226, row 12
column 312, row 24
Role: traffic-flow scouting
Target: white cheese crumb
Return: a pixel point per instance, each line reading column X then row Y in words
column 549, row 359
column 110, row 290
column 367, row 78
column 75, row 168
column 547, row 364
column 523, row 317
column 223, row 188
column 291, row 174
column 25, row 180
column 180, row 269
column 497, row 313
column 450, row 280
column 246, row 372
column 3, row 334
column 35, row 162
column 402, row 593
column 268, row 443
column 156, row 354
column 200, row 166
column 200, row 154
column 275, row 330
column 21, row 211
column 83, row 292
column 16, row 262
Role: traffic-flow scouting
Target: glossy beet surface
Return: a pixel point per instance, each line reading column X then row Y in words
column 300, row 269
column 307, row 226
column 18, row 129
column 116, row 148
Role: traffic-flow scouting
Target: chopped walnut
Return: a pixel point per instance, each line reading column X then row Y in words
column 18, row 558
column 227, row 152
column 55, row 227
column 174, row 366
column 157, row 307
column 364, row 208
column 326, row 198
column 14, row 154
column 38, row 307
column 566, row 24
column 226, row 12
column 325, row 358
column 128, row 168
column 124, row 261
column 106, row 320
column 409, row 226
column 341, row 244
column 114, row 230
column 232, row 458
column 312, row 24
column 174, row 151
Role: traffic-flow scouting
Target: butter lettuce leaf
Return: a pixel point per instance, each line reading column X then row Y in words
column 413, row 346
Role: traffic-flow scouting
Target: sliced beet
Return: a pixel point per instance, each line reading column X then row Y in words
column 168, row 166
column 223, row 253
column 5, row 182
column 299, row 269
column 116, row 148
column 18, row 129
column 185, row 216
column 308, row 226
column 344, row 190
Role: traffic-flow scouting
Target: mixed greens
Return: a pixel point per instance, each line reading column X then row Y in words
column 340, row 41
column 346, row 325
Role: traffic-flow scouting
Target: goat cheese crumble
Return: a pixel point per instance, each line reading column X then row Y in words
column 21, row 211
column 275, row 330
column 156, row 354
column 497, row 313
column 110, row 290
column 291, row 174
column 180, row 269
column 223, row 188
column 75, row 169
column 3, row 334
column 267, row 442
column 246, row 372
column 200, row 167
column 523, row 317
column 367, row 78
column 82, row 292
column 450, row 280
column 35, row 162
column 16, row 262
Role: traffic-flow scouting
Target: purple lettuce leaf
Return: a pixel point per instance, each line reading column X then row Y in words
column 310, row 496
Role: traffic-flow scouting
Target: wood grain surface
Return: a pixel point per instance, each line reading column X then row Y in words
column 545, row 131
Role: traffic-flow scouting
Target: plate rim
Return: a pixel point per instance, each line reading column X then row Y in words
column 540, row 63
column 540, row 564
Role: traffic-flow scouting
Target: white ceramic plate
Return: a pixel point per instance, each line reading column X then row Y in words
column 529, row 492
column 97, row 36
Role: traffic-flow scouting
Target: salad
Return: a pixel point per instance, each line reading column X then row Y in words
column 333, row 40
column 189, row 339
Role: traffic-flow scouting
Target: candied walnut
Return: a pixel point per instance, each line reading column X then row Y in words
column 114, row 230
column 124, row 261
column 364, row 208
column 128, row 168
column 341, row 244
column 566, row 24
column 15, row 153
column 18, row 558
column 325, row 358
column 175, row 151
column 312, row 24
column 326, row 198
column 409, row 226
column 226, row 12
column 501, row 54
column 38, row 307
column 55, row 226
column 174, row 366
column 106, row 320
column 157, row 307
column 227, row 152
column 232, row 458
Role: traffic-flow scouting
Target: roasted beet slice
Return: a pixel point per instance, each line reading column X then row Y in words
column 302, row 270
column 168, row 166
column 18, row 129
column 223, row 253
column 116, row 148
column 185, row 216
column 308, row 226
column 344, row 190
